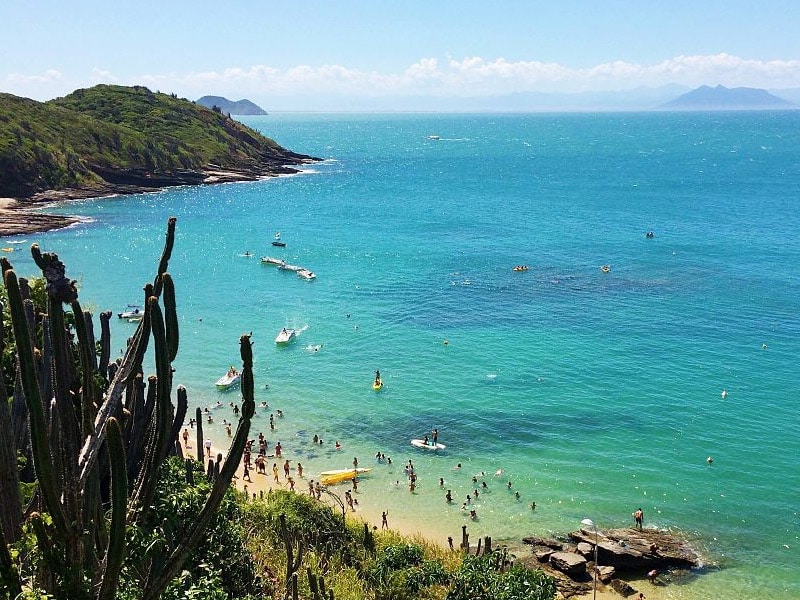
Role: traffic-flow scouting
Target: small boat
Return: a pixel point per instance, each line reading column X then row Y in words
column 9, row 249
column 519, row 268
column 306, row 274
column 434, row 137
column 426, row 445
column 229, row 380
column 606, row 268
column 284, row 266
column 341, row 475
column 269, row 260
column 134, row 312
column 285, row 336
column 279, row 243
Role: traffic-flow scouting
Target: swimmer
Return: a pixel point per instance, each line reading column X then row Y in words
column 724, row 393
column 498, row 473
column 709, row 460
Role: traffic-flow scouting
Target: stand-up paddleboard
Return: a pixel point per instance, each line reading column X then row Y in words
column 377, row 386
column 427, row 445
column 340, row 475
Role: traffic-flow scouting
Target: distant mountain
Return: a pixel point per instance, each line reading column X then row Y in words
column 722, row 98
column 229, row 107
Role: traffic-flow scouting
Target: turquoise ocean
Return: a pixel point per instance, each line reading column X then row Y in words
column 595, row 393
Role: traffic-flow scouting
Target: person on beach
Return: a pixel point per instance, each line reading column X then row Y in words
column 286, row 469
column 246, row 475
column 278, row 450
column 299, row 471
column 651, row 575
column 185, row 437
column 638, row 518
column 384, row 521
column 291, row 484
column 207, row 445
column 261, row 466
column 448, row 497
column 275, row 472
column 355, row 462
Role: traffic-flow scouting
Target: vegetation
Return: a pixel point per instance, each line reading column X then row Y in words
column 114, row 135
column 96, row 501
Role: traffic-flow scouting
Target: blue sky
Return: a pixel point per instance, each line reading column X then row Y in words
column 287, row 54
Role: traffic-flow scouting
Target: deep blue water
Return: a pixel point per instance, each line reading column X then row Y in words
column 595, row 393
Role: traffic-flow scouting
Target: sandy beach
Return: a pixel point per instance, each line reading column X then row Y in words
column 365, row 510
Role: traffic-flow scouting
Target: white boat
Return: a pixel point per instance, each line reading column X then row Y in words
column 285, row 336
column 425, row 445
column 284, row 266
column 270, row 260
column 133, row 312
column 341, row 475
column 229, row 380
column 434, row 137
column 306, row 274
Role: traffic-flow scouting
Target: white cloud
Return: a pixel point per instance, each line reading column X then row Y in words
column 465, row 77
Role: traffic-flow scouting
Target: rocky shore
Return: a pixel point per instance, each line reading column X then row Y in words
column 621, row 553
column 23, row 215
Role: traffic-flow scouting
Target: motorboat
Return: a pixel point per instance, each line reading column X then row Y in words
column 285, row 336
column 270, row 260
column 284, row 266
column 231, row 379
column 434, row 137
column 279, row 243
column 519, row 268
column 133, row 312
column 341, row 475
column 606, row 268
column 306, row 274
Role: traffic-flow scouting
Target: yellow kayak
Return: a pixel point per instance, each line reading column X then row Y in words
column 340, row 475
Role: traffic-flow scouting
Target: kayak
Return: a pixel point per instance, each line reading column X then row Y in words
column 340, row 475
column 427, row 445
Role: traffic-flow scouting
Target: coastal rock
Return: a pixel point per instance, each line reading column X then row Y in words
column 622, row 587
column 569, row 563
column 543, row 554
column 586, row 550
column 639, row 550
column 606, row 574
column 551, row 543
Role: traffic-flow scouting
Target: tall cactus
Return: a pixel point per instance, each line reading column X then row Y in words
column 89, row 435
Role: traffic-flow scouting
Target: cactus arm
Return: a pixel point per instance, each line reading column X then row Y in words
column 166, row 254
column 190, row 539
column 180, row 416
column 10, row 500
column 38, row 428
column 170, row 316
column 119, row 500
column 198, row 418
column 105, row 343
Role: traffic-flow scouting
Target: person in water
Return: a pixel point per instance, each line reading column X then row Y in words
column 377, row 378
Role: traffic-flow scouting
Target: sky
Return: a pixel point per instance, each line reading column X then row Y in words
column 310, row 54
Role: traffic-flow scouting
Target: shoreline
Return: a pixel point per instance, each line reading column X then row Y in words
column 22, row 216
column 369, row 511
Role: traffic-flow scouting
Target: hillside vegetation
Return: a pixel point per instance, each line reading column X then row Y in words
column 114, row 138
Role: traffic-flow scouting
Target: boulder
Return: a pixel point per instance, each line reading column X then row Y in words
column 622, row 587
column 569, row 563
column 543, row 554
column 639, row 550
column 606, row 574
column 586, row 550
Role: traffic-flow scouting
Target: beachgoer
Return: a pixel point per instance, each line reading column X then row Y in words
column 651, row 575
column 185, row 438
column 516, row 495
column 275, row 472
column 709, row 460
column 355, row 462
column 246, row 474
column 207, row 445
column 441, row 481
column 355, row 484
column 291, row 484
column 377, row 378
column 278, row 450
column 638, row 517
column 228, row 429
column 299, row 470
column 286, row 469
column 384, row 521
column 448, row 496
column 435, row 433
column 316, row 439
column 640, row 596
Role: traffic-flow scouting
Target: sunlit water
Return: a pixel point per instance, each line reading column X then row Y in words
column 595, row 393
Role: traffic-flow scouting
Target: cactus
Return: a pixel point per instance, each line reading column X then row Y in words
column 101, row 426
column 294, row 552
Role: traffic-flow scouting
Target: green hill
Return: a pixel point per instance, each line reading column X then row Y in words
column 114, row 139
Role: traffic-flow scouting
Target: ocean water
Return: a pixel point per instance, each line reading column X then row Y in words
column 593, row 393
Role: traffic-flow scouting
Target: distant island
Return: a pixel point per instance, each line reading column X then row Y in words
column 112, row 139
column 230, row 107
column 722, row 98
